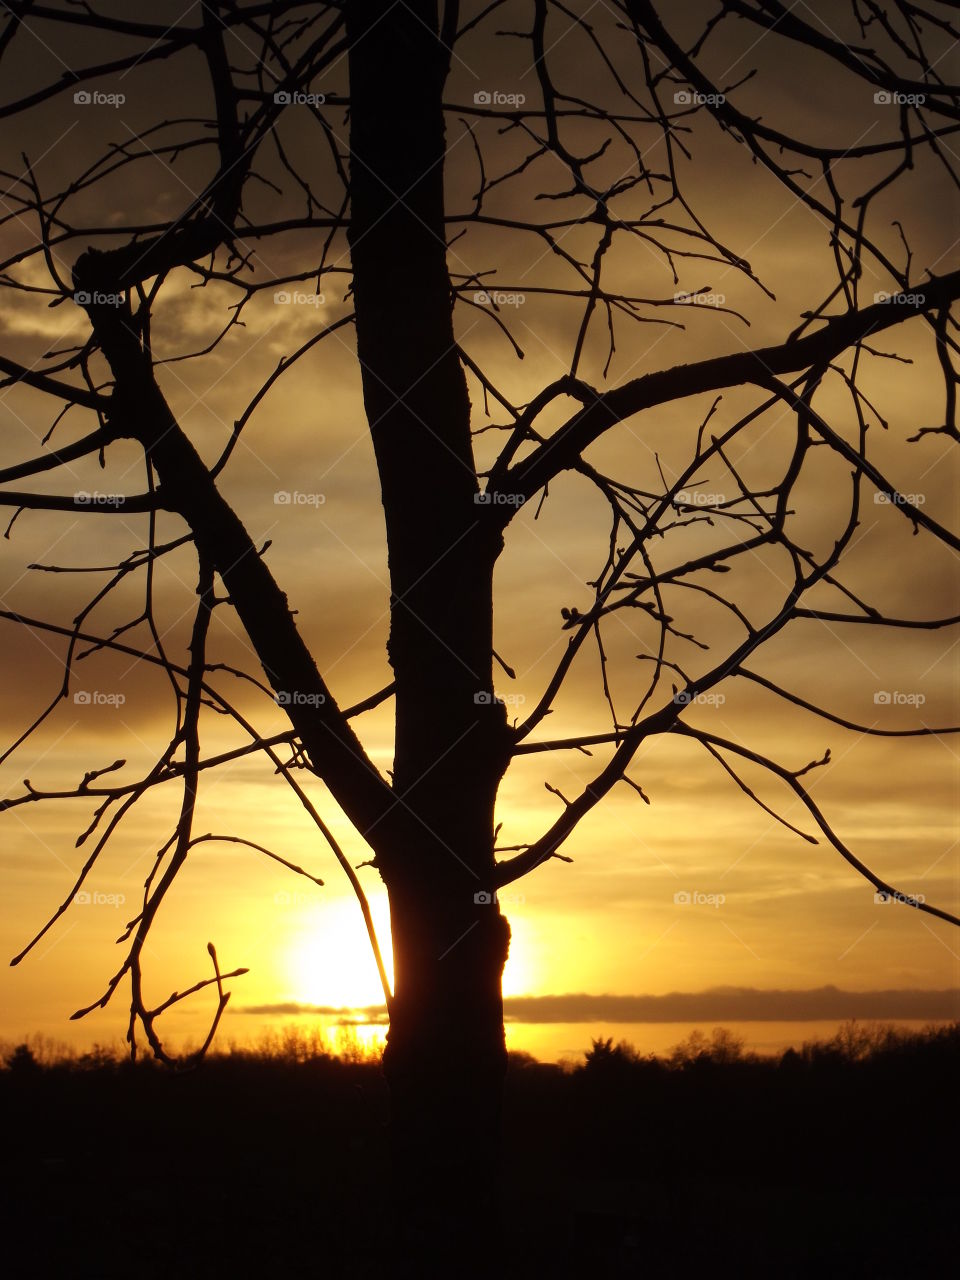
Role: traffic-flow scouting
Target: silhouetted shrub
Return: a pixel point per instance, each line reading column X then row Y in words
column 22, row 1063
column 723, row 1048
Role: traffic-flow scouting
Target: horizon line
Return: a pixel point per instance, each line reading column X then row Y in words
column 737, row 1004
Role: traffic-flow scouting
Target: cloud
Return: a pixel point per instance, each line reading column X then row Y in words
column 734, row 1004
column 344, row 1016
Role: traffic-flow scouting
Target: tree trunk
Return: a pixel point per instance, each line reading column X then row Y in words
column 445, row 1063
column 445, row 1055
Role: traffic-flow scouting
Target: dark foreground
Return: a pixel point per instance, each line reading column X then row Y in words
column 840, row 1161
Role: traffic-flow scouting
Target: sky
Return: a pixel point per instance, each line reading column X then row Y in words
column 701, row 889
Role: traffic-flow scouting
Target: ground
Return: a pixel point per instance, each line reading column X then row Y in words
column 835, row 1162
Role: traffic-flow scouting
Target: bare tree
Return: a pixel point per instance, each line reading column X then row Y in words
column 387, row 147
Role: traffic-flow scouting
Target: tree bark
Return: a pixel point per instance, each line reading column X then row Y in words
column 445, row 1055
column 445, row 1064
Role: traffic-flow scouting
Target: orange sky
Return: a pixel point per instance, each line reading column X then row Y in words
column 768, row 910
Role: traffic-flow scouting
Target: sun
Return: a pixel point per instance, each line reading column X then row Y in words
column 328, row 960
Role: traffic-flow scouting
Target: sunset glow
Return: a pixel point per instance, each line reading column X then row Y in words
column 328, row 959
column 689, row 884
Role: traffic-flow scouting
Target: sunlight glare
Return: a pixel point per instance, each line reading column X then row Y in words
column 328, row 960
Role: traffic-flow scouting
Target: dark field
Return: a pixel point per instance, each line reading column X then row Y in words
column 837, row 1161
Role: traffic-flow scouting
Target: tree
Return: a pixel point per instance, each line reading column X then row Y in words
column 383, row 142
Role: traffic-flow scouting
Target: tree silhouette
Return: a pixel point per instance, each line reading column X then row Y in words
column 440, row 171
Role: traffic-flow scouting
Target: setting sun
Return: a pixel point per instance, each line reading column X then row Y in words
column 328, row 960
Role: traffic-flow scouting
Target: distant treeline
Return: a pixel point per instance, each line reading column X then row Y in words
column 853, row 1042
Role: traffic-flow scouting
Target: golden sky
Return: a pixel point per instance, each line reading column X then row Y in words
column 767, row 910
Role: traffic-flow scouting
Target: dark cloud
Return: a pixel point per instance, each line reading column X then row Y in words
column 291, row 1007
column 733, row 1004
